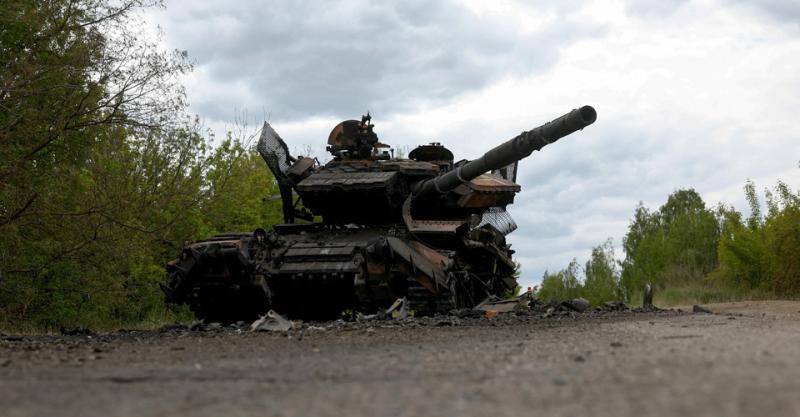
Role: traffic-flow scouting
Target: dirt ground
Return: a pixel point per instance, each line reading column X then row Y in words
column 744, row 360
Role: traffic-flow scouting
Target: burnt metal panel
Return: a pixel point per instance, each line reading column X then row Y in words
column 319, row 267
column 422, row 261
column 325, row 181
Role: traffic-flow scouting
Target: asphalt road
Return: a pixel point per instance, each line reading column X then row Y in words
column 744, row 361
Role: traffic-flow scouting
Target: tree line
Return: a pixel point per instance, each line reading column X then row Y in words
column 103, row 175
column 707, row 253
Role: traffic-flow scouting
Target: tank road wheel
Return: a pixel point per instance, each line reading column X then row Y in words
column 228, row 304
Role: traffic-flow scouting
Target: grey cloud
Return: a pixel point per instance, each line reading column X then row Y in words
column 786, row 11
column 310, row 58
column 653, row 8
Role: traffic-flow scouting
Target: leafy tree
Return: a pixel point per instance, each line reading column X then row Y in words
column 563, row 285
column 783, row 238
column 242, row 194
column 762, row 252
column 602, row 278
column 103, row 177
column 675, row 245
column 691, row 233
column 742, row 252
column 68, row 70
column 644, row 250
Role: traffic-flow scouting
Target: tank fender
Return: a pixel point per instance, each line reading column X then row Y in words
column 422, row 259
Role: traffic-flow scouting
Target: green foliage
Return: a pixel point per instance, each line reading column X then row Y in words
column 103, row 178
column 694, row 255
column 703, row 294
column 763, row 252
column 672, row 246
column 601, row 281
column 242, row 194
column 563, row 285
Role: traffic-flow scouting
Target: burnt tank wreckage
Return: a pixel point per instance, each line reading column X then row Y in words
column 366, row 229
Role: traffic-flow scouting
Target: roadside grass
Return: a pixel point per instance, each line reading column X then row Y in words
column 152, row 320
column 694, row 294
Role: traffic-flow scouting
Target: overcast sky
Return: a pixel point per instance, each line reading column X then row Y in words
column 701, row 94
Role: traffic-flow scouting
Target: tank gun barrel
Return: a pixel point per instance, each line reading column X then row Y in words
column 509, row 152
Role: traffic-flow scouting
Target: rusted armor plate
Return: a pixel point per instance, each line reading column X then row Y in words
column 324, row 181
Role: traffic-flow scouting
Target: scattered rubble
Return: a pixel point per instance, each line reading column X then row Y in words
column 506, row 305
column 76, row 331
column 616, row 306
column 525, row 308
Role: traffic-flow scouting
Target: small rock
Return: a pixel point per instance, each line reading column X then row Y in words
column 578, row 304
column 616, row 306
column 447, row 322
column 173, row 328
column 700, row 309
column 616, row 344
column 468, row 313
column 76, row 331
column 13, row 338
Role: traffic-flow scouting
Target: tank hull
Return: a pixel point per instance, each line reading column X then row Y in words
column 317, row 272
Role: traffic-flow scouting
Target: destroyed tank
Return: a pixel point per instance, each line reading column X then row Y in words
column 367, row 229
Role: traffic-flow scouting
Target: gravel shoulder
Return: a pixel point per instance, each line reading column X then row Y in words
column 622, row 364
column 784, row 309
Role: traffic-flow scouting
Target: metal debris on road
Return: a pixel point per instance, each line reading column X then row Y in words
column 271, row 322
column 398, row 309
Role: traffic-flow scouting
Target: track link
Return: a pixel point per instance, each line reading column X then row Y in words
column 425, row 303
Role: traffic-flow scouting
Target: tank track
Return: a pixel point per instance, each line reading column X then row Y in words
column 424, row 303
